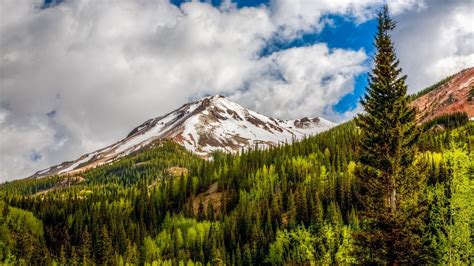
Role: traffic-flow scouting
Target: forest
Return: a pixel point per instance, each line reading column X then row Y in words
column 380, row 189
column 289, row 204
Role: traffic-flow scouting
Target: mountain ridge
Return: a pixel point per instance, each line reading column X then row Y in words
column 453, row 94
column 213, row 123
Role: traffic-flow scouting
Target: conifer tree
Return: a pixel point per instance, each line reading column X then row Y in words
column 388, row 134
column 86, row 245
column 5, row 210
column 104, row 249
column 292, row 211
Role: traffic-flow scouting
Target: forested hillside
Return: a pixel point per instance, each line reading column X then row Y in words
column 290, row 204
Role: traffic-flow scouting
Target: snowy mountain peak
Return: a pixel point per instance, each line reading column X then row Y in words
column 203, row 126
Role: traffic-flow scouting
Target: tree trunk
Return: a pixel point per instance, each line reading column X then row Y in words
column 391, row 196
column 393, row 200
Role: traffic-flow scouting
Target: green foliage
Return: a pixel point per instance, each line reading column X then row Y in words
column 451, row 120
column 290, row 204
column 105, row 250
column 21, row 236
column 294, row 247
column 461, row 207
column 303, row 192
column 334, row 245
column 448, row 238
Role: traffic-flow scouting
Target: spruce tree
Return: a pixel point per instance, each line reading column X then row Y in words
column 385, row 176
column 86, row 245
column 105, row 250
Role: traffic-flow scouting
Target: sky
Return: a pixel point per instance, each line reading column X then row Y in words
column 78, row 75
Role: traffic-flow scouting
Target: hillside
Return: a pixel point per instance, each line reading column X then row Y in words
column 160, row 201
column 241, row 210
column 455, row 94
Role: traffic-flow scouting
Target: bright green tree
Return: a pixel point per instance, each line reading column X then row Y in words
column 461, row 207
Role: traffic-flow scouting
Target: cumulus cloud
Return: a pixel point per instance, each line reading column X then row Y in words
column 400, row 6
column 79, row 75
column 296, row 17
column 303, row 81
column 17, row 144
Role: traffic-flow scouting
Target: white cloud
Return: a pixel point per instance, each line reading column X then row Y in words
column 294, row 17
column 399, row 6
column 16, row 144
column 105, row 66
column 299, row 16
column 303, row 81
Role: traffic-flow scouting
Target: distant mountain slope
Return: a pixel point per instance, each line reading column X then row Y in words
column 453, row 95
column 209, row 124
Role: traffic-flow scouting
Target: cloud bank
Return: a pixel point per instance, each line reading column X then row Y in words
column 79, row 75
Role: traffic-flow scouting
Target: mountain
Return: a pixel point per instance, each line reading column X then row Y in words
column 453, row 94
column 217, row 124
column 210, row 124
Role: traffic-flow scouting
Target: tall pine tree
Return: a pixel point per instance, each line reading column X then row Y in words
column 385, row 178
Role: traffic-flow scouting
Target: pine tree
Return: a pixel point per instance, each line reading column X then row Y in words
column 62, row 256
column 5, row 210
column 385, row 179
column 86, row 245
column 104, row 250
column 292, row 211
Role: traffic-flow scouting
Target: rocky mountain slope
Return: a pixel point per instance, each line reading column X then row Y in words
column 207, row 125
column 454, row 95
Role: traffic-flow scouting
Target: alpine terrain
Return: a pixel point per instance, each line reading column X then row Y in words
column 453, row 94
column 210, row 124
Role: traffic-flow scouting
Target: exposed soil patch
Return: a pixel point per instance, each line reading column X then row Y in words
column 210, row 196
column 178, row 171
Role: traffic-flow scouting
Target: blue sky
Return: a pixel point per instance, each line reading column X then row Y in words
column 240, row 3
column 344, row 33
column 348, row 35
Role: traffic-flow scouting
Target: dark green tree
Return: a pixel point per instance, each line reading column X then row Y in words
column 292, row 211
column 386, row 179
column 6, row 210
column 86, row 244
column 105, row 250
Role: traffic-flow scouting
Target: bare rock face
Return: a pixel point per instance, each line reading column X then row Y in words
column 210, row 124
column 307, row 122
column 453, row 96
